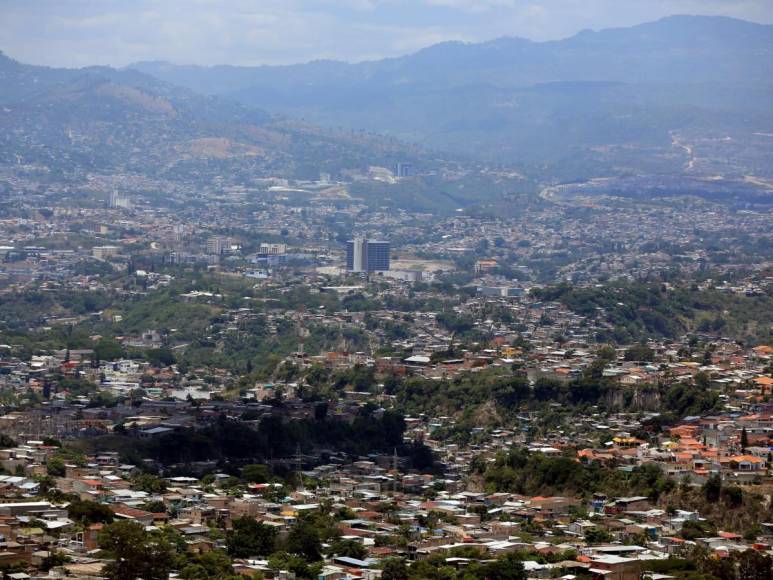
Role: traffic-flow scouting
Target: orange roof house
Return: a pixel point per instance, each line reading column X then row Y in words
column 744, row 462
column 765, row 384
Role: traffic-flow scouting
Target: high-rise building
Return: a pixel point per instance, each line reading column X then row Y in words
column 104, row 252
column 271, row 254
column 218, row 245
column 404, row 170
column 272, row 249
column 355, row 249
column 118, row 200
column 377, row 256
column 363, row 255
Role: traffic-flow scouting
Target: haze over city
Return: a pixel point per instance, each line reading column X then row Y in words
column 78, row 33
column 386, row 290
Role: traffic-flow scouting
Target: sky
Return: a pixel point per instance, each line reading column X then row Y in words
column 76, row 33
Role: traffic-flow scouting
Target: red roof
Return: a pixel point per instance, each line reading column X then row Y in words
column 130, row 512
column 92, row 482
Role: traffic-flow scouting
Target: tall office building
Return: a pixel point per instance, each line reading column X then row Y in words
column 271, row 254
column 363, row 255
column 118, row 200
column 272, row 249
column 355, row 250
column 218, row 245
column 404, row 170
column 377, row 256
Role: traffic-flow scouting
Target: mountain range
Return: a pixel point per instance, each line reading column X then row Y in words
column 98, row 119
column 597, row 102
column 687, row 97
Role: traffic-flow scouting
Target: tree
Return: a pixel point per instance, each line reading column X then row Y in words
column 744, row 439
column 87, row 512
column 682, row 399
column 732, row 496
column 702, row 380
column 640, row 352
column 137, row 396
column 160, row 357
column 478, row 465
column 752, row 533
column 692, row 530
column 547, row 389
column 108, row 349
column 55, row 467
column 53, row 560
column 46, row 484
column 712, row 489
column 149, row 483
column 394, row 569
column 295, row 564
column 303, row 540
column 393, row 427
column 507, row 567
column 421, row 456
column 320, row 411
column 349, row 548
column 597, row 536
column 607, row 353
column 211, row 565
column 155, row 506
column 136, row 553
column 250, row 538
column 256, row 473
column 754, row 565
column 595, row 370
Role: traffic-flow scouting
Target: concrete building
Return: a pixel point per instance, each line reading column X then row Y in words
column 404, row 170
column 104, row 252
column 218, row 245
column 363, row 255
column 272, row 249
column 119, row 200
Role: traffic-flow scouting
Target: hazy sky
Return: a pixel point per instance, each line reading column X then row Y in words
column 117, row 32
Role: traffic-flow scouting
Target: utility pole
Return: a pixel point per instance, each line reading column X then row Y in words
column 301, row 331
column 299, row 466
column 394, row 467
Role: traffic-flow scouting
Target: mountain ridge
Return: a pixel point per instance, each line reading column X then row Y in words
column 746, row 25
column 551, row 113
column 680, row 74
column 100, row 119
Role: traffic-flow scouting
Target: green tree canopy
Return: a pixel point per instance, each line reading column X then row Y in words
column 250, row 538
column 136, row 553
column 87, row 512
